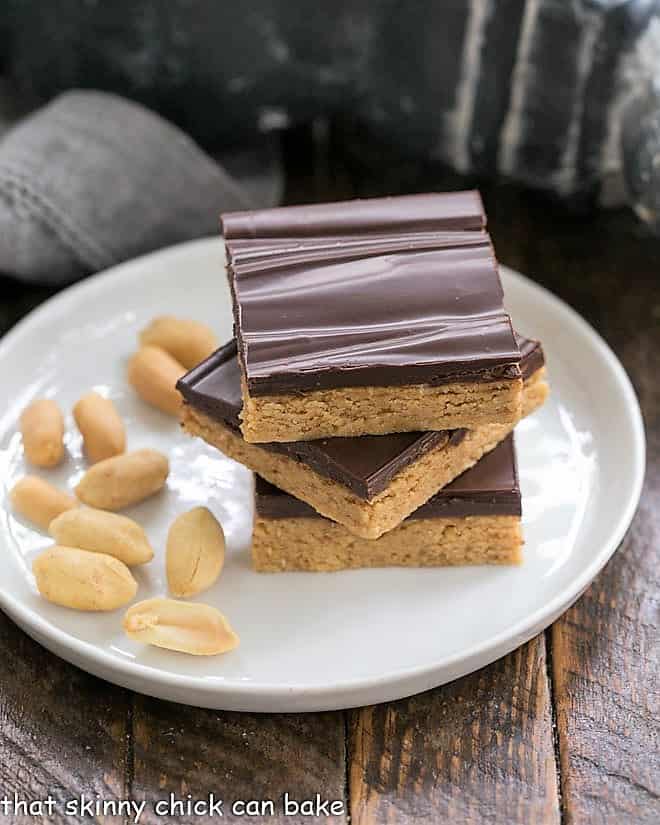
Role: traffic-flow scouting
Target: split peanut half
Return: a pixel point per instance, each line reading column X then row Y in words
column 195, row 552
column 187, row 627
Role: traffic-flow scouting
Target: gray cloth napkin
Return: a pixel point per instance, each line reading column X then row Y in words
column 92, row 179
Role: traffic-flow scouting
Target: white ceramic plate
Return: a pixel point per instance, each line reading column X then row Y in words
column 324, row 640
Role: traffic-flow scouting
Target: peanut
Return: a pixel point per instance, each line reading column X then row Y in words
column 189, row 342
column 100, row 426
column 76, row 578
column 123, row 480
column 195, row 552
column 42, row 427
column 153, row 374
column 187, row 627
column 100, row 532
column 39, row 501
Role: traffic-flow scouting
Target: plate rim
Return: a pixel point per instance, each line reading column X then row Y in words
column 220, row 687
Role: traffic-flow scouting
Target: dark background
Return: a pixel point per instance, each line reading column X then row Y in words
column 392, row 70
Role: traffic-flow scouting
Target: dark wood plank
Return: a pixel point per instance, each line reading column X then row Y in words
column 479, row 750
column 606, row 674
column 62, row 733
column 237, row 756
column 606, row 661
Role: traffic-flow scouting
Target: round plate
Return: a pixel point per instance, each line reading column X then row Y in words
column 315, row 641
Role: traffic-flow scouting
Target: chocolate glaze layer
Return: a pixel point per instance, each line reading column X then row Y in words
column 410, row 213
column 365, row 465
column 214, row 386
column 490, row 488
column 531, row 355
column 368, row 293
column 253, row 254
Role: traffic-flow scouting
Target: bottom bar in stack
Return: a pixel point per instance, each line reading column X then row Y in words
column 473, row 520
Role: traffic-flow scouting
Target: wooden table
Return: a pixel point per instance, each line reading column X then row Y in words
column 562, row 730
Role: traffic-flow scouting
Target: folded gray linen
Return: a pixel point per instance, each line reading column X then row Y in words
column 92, row 179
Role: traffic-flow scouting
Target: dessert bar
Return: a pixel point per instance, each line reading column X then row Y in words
column 474, row 520
column 369, row 484
column 370, row 317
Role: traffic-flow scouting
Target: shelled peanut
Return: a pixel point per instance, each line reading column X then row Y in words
column 124, row 480
column 195, row 552
column 153, row 374
column 101, row 427
column 189, row 342
column 101, row 532
column 42, row 428
column 186, row 627
column 40, row 502
column 75, row 578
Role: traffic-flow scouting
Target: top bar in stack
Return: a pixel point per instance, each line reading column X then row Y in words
column 370, row 317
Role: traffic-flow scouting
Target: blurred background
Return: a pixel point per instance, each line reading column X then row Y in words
column 190, row 107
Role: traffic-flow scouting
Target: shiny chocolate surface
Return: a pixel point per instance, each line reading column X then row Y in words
column 381, row 292
column 490, row 488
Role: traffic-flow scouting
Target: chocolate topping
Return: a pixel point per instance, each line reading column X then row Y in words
column 365, row 465
column 410, row 213
column 214, row 386
column 490, row 488
column 253, row 254
column 531, row 355
column 379, row 292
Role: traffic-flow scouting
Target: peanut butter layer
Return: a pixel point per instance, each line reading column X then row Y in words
column 284, row 545
column 359, row 411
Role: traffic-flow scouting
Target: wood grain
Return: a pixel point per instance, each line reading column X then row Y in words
column 237, row 756
column 62, row 732
column 605, row 667
column 479, row 750
column 606, row 649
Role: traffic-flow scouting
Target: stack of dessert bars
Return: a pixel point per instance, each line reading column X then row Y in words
column 373, row 384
